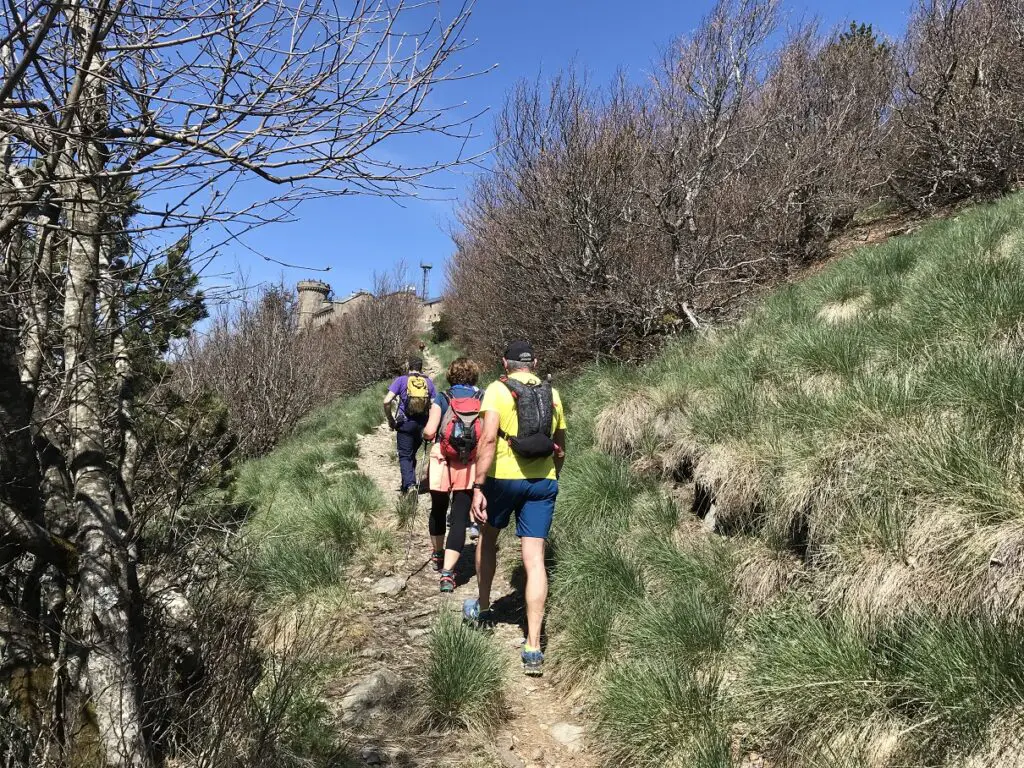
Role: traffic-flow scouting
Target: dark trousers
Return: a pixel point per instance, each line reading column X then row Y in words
column 410, row 437
column 461, row 503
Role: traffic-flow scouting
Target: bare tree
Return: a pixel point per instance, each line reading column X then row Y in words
column 823, row 102
column 556, row 229
column 703, row 137
column 255, row 360
column 637, row 213
column 372, row 341
column 960, row 129
column 122, row 122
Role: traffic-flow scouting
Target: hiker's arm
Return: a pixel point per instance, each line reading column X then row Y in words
column 484, row 459
column 488, row 442
column 430, row 431
column 388, row 414
column 559, row 437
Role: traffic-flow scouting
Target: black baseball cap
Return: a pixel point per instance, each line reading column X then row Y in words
column 520, row 352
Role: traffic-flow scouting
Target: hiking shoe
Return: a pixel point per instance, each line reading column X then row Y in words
column 472, row 614
column 437, row 560
column 533, row 661
column 447, row 581
column 474, row 531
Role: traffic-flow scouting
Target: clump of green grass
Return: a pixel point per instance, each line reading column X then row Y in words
column 651, row 713
column 300, row 545
column 596, row 492
column 406, row 508
column 292, row 567
column 810, row 678
column 464, row 680
column 345, row 449
column 813, row 678
column 595, row 582
column 957, row 676
column 598, row 571
column 656, row 511
column 306, row 523
column 690, row 613
column 587, row 638
column 305, row 473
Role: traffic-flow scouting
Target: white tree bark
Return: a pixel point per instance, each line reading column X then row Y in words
column 104, row 565
column 103, row 556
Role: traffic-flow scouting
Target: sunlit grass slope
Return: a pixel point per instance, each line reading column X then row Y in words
column 857, row 447
column 308, row 503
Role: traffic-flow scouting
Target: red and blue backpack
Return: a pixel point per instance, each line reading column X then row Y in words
column 459, row 433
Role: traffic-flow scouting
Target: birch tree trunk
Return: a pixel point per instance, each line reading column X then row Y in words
column 104, row 566
column 105, row 572
column 37, row 311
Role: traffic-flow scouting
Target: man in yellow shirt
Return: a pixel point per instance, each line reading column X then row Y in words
column 521, row 451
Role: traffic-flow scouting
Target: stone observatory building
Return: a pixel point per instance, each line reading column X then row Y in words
column 317, row 307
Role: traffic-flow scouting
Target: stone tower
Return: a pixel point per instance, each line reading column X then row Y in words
column 312, row 297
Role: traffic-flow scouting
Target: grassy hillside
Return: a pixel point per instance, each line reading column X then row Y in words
column 855, row 446
column 309, row 504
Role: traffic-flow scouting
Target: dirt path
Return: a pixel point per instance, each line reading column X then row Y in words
column 543, row 729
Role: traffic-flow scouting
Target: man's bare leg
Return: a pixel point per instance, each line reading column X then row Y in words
column 536, row 587
column 486, row 560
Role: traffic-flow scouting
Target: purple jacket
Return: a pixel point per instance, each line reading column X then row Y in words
column 400, row 388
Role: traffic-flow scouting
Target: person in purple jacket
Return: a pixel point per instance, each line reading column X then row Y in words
column 414, row 392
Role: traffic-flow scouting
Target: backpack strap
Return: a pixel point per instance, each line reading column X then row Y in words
column 515, row 388
column 512, row 386
column 515, row 397
column 449, row 395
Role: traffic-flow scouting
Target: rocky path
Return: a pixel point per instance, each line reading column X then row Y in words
column 378, row 698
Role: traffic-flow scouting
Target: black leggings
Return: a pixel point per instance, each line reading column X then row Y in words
column 461, row 502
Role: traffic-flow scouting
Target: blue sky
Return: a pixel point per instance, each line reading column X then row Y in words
column 356, row 236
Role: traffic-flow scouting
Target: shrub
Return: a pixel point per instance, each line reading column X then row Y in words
column 616, row 210
column 960, row 97
column 653, row 713
column 271, row 375
column 442, row 329
column 463, row 685
column 371, row 342
column 261, row 367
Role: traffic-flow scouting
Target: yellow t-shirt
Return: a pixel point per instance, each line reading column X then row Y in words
column 508, row 466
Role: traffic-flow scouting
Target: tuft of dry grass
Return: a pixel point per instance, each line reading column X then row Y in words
column 840, row 312
column 1003, row 747
column 621, row 428
column 733, row 478
column 762, row 575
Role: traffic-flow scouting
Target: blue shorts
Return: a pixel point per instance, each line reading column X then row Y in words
column 531, row 501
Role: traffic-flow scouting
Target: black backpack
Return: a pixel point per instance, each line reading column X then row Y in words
column 534, row 407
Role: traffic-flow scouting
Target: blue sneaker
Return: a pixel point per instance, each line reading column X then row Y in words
column 472, row 614
column 533, row 661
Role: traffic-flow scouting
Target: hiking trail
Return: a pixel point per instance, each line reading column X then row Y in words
column 543, row 728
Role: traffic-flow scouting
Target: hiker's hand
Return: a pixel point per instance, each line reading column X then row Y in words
column 479, row 508
column 392, row 425
column 428, row 436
